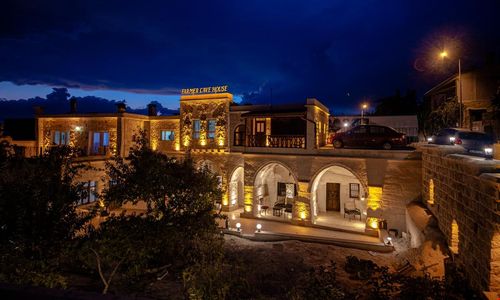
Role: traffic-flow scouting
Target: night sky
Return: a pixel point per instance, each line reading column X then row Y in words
column 340, row 52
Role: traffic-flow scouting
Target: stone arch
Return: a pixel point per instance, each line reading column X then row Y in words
column 236, row 186
column 343, row 176
column 265, row 183
column 454, row 237
column 239, row 135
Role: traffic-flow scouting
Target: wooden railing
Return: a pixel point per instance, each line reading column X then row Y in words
column 277, row 141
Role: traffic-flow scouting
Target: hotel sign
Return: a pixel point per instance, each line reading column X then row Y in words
column 205, row 90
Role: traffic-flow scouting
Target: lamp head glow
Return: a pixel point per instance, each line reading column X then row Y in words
column 443, row 54
column 238, row 226
column 429, row 139
column 346, row 124
column 488, row 152
column 78, row 128
column 452, row 139
column 259, row 227
column 389, row 238
column 364, row 106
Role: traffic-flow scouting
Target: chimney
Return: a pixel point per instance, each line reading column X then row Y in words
column 72, row 105
column 38, row 110
column 152, row 110
column 121, row 107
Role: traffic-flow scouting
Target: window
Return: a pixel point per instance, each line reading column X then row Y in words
column 239, row 135
column 211, row 129
column 353, row 190
column 100, row 143
column 359, row 130
column 167, row 135
column 377, row 130
column 196, row 129
column 88, row 193
column 60, row 138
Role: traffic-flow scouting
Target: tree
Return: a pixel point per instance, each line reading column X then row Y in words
column 38, row 199
column 172, row 189
column 397, row 104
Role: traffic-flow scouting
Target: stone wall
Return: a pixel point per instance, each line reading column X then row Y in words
column 463, row 193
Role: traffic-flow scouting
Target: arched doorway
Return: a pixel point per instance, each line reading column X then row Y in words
column 274, row 183
column 335, row 192
column 236, row 195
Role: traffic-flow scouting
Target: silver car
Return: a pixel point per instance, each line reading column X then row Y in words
column 469, row 140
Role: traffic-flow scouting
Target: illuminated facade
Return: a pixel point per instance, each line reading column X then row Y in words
column 265, row 156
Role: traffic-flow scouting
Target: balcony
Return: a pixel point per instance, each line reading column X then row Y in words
column 277, row 141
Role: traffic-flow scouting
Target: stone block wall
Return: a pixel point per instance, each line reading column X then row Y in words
column 463, row 193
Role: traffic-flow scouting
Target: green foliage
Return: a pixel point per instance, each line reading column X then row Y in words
column 446, row 115
column 172, row 189
column 320, row 283
column 38, row 215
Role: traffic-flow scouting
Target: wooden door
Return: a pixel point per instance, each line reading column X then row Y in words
column 332, row 196
column 260, row 132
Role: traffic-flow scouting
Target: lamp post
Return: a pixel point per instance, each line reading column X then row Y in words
column 443, row 55
column 363, row 107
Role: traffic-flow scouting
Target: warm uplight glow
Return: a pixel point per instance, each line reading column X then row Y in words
column 302, row 215
column 374, row 197
column 431, row 192
column 248, row 200
column 177, row 147
column 372, row 223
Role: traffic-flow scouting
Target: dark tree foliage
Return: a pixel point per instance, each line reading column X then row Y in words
column 446, row 115
column 172, row 189
column 38, row 216
column 397, row 104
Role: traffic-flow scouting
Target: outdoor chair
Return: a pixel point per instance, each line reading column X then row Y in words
column 351, row 210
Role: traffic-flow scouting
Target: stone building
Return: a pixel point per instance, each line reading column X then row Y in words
column 477, row 88
column 273, row 161
column 462, row 192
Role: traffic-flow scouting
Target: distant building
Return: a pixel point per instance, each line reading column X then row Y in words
column 479, row 88
column 21, row 133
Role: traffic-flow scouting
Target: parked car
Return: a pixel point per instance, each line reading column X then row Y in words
column 469, row 140
column 369, row 136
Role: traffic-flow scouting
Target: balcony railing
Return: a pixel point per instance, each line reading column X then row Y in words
column 277, row 141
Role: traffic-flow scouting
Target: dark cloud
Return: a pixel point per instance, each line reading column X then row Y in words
column 297, row 49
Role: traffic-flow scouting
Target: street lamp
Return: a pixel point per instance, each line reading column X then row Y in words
column 444, row 54
column 363, row 107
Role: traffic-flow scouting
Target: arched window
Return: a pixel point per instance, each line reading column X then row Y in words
column 239, row 135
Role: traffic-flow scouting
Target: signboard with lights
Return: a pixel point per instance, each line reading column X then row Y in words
column 205, row 90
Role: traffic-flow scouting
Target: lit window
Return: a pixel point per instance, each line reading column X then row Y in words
column 60, row 138
column 167, row 135
column 196, row 129
column 88, row 193
column 100, row 143
column 353, row 190
column 211, row 129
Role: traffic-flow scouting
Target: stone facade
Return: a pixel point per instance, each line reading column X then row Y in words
column 463, row 193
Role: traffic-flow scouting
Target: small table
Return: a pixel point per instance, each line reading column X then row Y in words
column 264, row 209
